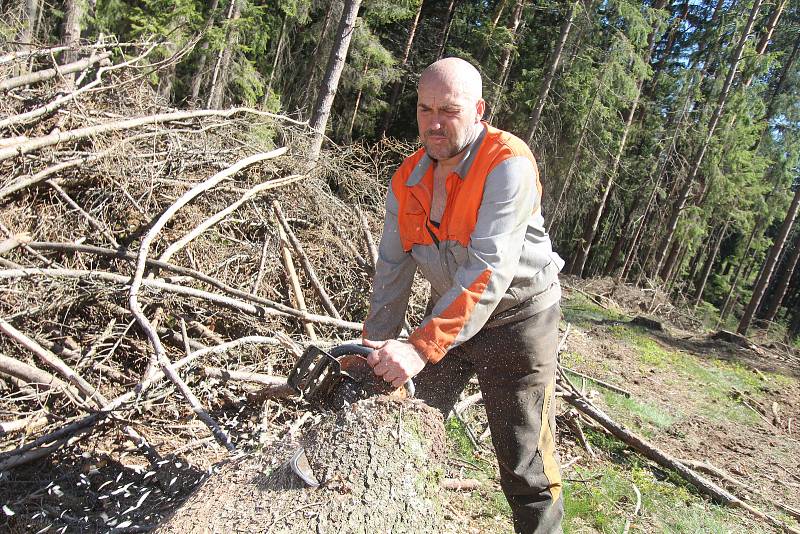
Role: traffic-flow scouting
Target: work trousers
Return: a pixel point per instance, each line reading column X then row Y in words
column 516, row 366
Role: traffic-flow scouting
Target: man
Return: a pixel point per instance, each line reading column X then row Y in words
column 465, row 210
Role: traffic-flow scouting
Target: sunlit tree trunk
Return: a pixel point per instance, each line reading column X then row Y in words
column 219, row 79
column 783, row 283
column 594, row 216
column 71, row 34
column 358, row 102
column 397, row 85
column 446, row 30
column 330, row 83
column 505, row 62
column 555, row 60
column 769, row 265
column 200, row 70
column 712, row 257
column 680, row 202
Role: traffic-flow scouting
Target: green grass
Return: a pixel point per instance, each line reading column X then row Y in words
column 647, row 417
column 707, row 384
column 581, row 311
column 602, row 499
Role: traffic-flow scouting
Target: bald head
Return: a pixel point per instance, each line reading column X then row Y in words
column 454, row 73
column 449, row 109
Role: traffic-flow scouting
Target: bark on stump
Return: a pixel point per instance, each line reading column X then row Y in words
column 379, row 463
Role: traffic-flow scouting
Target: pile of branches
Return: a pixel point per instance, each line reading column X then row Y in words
column 148, row 258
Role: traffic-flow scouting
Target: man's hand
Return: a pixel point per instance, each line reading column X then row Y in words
column 395, row 361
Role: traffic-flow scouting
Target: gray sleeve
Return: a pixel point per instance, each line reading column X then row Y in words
column 394, row 275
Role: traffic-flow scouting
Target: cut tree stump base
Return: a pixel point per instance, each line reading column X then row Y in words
column 379, row 463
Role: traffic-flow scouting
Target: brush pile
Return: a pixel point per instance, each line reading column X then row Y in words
column 149, row 259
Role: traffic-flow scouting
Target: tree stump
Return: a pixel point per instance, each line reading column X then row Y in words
column 379, row 463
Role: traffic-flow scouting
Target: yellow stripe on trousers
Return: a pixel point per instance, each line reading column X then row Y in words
column 547, row 445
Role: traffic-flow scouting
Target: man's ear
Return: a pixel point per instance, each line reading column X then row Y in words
column 480, row 108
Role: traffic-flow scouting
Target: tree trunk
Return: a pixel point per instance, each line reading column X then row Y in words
column 555, row 59
column 712, row 257
column 446, row 30
column 783, row 283
column 487, row 44
column 680, row 202
column 387, row 119
column 619, row 245
column 278, row 50
column 199, row 73
column 769, row 265
column 593, row 218
column 379, row 464
column 505, row 63
column 576, row 152
column 26, row 34
column 358, row 102
column 333, row 72
column 739, row 269
column 219, row 80
column 71, row 35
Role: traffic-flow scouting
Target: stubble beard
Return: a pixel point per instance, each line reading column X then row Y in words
column 453, row 147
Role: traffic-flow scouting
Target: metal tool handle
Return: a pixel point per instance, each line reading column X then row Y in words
column 362, row 350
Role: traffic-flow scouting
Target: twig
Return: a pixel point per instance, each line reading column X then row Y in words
column 28, row 424
column 33, row 375
column 222, row 300
column 18, row 457
column 373, row 250
column 612, row 387
column 280, row 309
column 276, row 385
column 636, row 508
column 51, row 360
column 460, row 484
column 97, row 225
column 304, row 261
column 291, row 273
column 217, row 217
column 462, row 405
column 159, row 355
column 262, row 267
column 48, row 74
column 25, row 118
column 55, row 138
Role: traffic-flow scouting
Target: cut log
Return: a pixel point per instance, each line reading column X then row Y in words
column 379, row 464
column 648, row 322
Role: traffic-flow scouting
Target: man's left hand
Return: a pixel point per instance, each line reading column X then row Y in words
column 394, row 361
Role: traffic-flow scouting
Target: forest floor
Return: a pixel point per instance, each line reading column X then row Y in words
column 693, row 397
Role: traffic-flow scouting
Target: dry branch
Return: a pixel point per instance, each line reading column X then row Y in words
column 304, row 261
column 276, row 386
column 291, row 273
column 30, row 116
column 373, row 250
column 48, row 74
column 217, row 217
column 159, row 356
column 32, row 375
column 221, row 300
column 53, row 361
column 55, row 138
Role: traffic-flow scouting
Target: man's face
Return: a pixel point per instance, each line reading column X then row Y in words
column 446, row 117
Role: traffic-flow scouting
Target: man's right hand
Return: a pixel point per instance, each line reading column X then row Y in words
column 394, row 361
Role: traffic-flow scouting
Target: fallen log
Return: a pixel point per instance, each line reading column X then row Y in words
column 379, row 467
